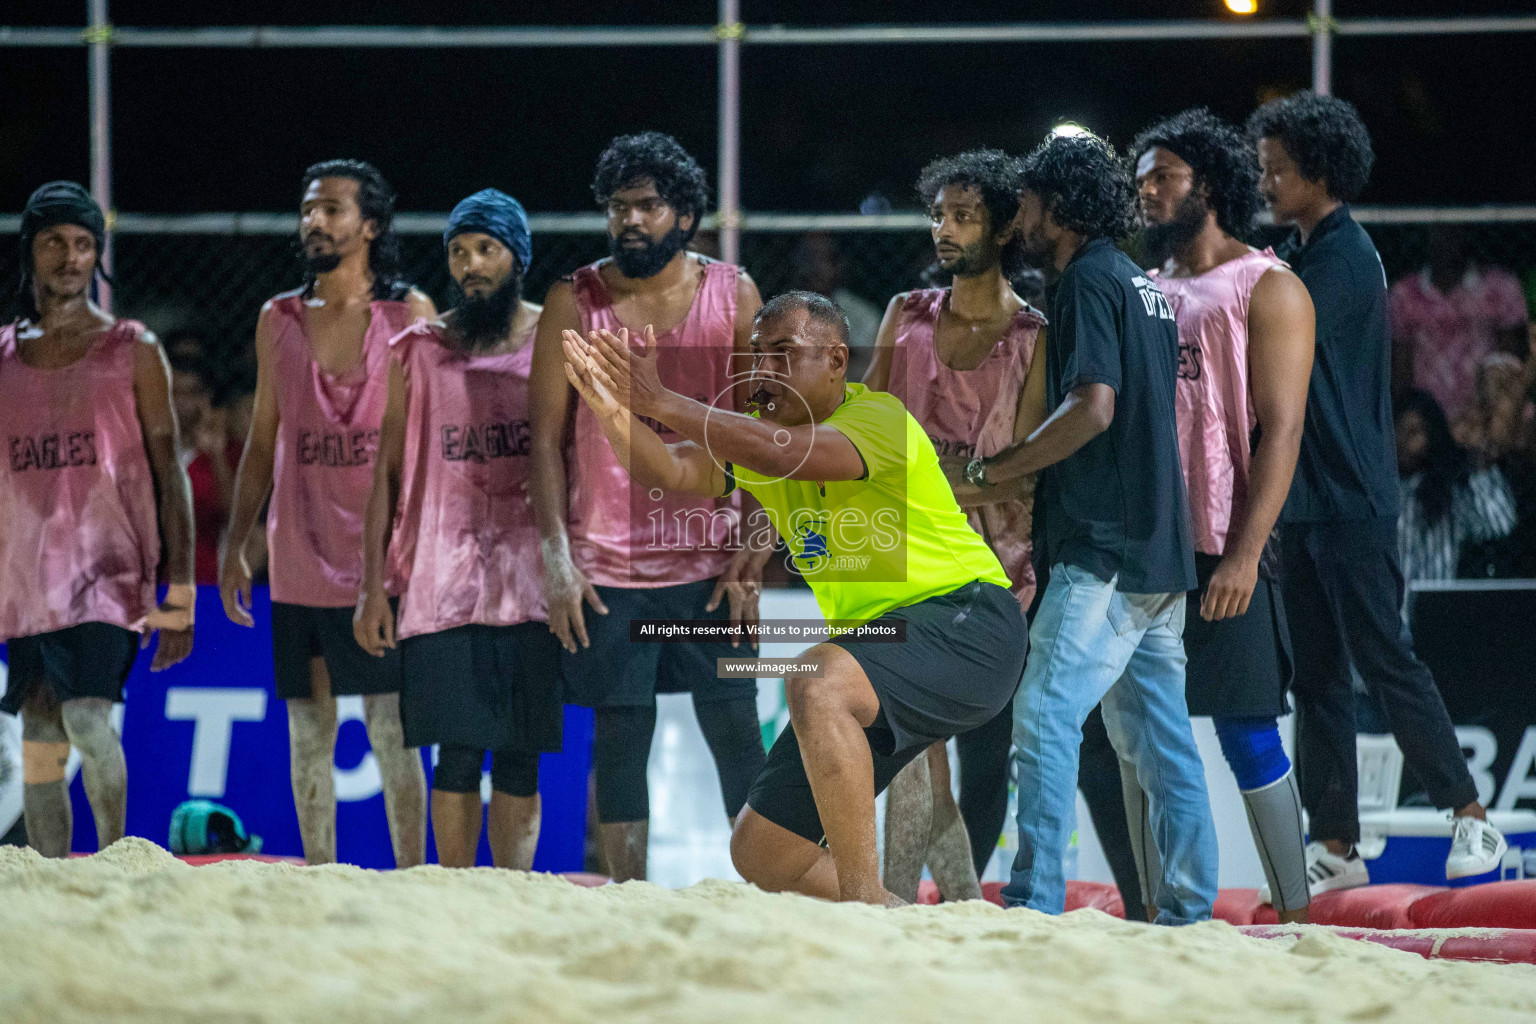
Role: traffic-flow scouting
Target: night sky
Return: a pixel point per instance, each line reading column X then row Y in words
column 824, row 127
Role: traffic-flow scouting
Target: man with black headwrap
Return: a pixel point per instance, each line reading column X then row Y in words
column 630, row 552
column 481, row 669
column 85, row 406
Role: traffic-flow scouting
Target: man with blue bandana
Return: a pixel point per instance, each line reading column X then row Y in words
column 481, row 670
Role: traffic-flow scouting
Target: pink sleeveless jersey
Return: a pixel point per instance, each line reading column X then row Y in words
column 79, row 539
column 327, row 431
column 465, row 547
column 1212, row 402
column 621, row 534
column 970, row 413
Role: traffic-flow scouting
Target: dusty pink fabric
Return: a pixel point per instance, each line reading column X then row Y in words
column 465, row 547
column 1212, row 402
column 327, row 432
column 79, row 541
column 970, row 413
column 1451, row 334
column 622, row 535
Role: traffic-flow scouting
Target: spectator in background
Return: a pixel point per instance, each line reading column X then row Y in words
column 818, row 267
column 235, row 398
column 208, row 452
column 1492, row 424
column 1449, row 316
column 1447, row 502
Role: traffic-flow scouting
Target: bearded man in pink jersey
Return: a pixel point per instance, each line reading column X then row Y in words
column 957, row 358
column 1245, row 356
column 481, row 668
column 85, row 406
column 322, row 355
column 627, row 552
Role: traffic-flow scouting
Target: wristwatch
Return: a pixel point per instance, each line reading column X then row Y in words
column 976, row 473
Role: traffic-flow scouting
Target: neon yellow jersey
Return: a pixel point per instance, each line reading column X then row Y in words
column 892, row 539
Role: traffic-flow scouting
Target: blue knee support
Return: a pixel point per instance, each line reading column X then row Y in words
column 1252, row 747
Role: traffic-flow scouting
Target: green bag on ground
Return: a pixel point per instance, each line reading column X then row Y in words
column 202, row 826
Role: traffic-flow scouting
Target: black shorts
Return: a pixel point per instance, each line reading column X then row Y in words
column 488, row 687
column 92, row 659
column 958, row 668
column 301, row 632
column 618, row 672
column 1238, row 667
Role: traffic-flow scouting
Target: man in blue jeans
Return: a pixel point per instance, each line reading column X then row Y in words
column 1112, row 518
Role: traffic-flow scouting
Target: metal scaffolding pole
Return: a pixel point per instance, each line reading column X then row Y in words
column 730, row 32
column 405, row 37
column 1322, row 27
column 99, row 36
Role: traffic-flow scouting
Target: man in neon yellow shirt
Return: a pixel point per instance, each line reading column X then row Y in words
column 852, row 482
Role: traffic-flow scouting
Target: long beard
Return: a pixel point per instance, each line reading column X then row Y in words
column 1165, row 240
column 648, row 260
column 482, row 323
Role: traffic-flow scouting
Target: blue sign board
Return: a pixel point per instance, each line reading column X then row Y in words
column 213, row 727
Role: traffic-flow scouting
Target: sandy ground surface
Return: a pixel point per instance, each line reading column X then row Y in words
column 134, row 935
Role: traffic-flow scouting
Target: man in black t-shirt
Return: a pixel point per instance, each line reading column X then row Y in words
column 1112, row 519
column 1340, row 572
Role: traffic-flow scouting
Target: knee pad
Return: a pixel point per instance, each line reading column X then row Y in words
column 458, row 768
column 515, row 772
column 621, row 747
column 1252, row 747
column 42, row 763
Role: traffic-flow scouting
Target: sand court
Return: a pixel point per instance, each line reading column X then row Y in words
column 132, row 934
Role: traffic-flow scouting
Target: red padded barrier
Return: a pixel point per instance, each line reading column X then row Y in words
column 1505, row 946
column 200, row 859
column 1370, row 906
column 586, row 879
column 992, row 892
column 1493, row 905
column 1098, row 895
column 1237, row 906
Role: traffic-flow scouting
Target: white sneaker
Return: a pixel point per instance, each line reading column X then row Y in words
column 1476, row 848
column 1327, row 872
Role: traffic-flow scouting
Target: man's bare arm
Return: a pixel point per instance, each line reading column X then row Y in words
column 419, row 305
column 549, row 409
column 253, row 481
column 374, row 622
column 1087, row 412
column 157, row 420
column 683, row 468
column 748, row 302
column 1280, row 341
column 881, row 362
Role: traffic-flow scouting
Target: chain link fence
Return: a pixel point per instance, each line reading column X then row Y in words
column 218, row 282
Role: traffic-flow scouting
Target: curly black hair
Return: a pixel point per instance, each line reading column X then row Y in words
column 1083, row 184
column 376, row 200
column 1324, row 135
column 660, row 159
column 1222, row 159
column 991, row 172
